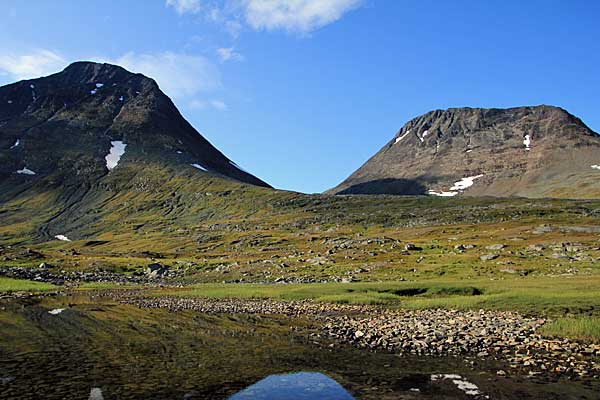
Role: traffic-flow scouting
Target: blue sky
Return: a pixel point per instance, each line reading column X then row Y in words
column 302, row 92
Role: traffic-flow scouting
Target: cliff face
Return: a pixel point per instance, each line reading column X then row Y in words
column 537, row 151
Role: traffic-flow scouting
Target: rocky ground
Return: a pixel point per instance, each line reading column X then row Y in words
column 475, row 335
column 154, row 273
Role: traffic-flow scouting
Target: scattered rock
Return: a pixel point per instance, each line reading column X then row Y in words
column 495, row 247
column 488, row 257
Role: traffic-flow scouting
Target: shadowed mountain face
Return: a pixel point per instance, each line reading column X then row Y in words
column 538, row 151
column 79, row 145
column 65, row 126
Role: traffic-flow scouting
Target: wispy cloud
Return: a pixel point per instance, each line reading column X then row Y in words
column 229, row 54
column 185, row 6
column 294, row 16
column 300, row 16
column 219, row 105
column 197, row 104
column 181, row 76
column 39, row 62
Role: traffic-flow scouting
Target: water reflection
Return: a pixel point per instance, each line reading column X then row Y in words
column 296, row 386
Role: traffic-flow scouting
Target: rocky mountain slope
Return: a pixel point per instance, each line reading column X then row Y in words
column 540, row 151
column 72, row 141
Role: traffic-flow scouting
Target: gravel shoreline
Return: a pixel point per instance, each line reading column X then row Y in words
column 504, row 336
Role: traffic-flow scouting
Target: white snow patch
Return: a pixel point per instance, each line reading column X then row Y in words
column 93, row 91
column 422, row 137
column 527, row 142
column 32, row 86
column 63, row 238
column 116, row 152
column 470, row 150
column 399, row 138
column 99, row 85
column 200, row 167
column 179, row 152
column 56, row 311
column 10, row 102
column 96, row 394
column 470, row 389
column 25, row 171
column 465, row 183
column 121, row 98
column 458, row 187
column 16, row 144
column 595, row 166
column 442, row 194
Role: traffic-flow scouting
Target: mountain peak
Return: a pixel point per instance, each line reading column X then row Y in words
column 532, row 151
column 65, row 123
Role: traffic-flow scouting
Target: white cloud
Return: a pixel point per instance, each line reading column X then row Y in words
column 185, row 6
column 301, row 16
column 297, row 16
column 179, row 75
column 38, row 63
column 229, row 54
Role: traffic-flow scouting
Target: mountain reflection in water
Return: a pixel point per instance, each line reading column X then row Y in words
column 295, row 386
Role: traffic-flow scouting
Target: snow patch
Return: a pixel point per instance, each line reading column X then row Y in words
column 32, row 86
column 116, row 152
column 121, row 98
column 422, row 137
column 470, row 150
column 99, row 85
column 93, row 91
column 16, row 144
column 96, row 394
column 179, row 152
column 200, row 167
column 458, row 187
column 25, row 171
column 527, row 142
column 470, row 389
column 595, row 166
column 56, row 311
column 10, row 102
column 399, row 138
column 465, row 183
column 63, row 238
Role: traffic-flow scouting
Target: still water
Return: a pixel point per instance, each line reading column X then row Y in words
column 101, row 350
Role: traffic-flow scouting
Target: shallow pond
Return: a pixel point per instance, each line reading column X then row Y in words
column 100, row 350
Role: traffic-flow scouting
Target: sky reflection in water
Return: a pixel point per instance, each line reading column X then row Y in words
column 295, row 386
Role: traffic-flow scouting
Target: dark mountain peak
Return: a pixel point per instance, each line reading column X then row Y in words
column 521, row 151
column 65, row 123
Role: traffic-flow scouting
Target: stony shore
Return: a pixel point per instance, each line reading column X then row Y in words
column 474, row 335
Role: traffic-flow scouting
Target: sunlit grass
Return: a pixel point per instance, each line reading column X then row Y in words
column 586, row 328
column 18, row 285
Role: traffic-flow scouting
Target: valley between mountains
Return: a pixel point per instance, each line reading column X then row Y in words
column 472, row 237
